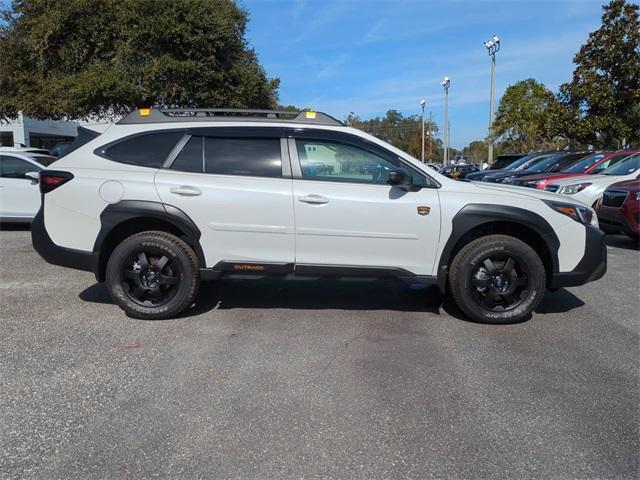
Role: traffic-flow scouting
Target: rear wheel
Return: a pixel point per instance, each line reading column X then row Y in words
column 153, row 275
column 497, row 279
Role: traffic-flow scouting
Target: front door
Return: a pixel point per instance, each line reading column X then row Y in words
column 19, row 194
column 347, row 214
column 234, row 189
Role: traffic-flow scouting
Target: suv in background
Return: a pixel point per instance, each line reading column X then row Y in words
column 503, row 161
column 520, row 164
column 19, row 193
column 619, row 208
column 166, row 198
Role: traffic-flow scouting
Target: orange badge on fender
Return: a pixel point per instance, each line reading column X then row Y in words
column 424, row 210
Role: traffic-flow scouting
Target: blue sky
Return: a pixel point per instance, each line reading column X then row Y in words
column 370, row 56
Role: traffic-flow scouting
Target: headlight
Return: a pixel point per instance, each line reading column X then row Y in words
column 638, row 196
column 571, row 189
column 580, row 213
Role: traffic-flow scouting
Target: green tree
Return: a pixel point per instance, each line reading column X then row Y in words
column 526, row 118
column 75, row 58
column 603, row 96
column 402, row 132
column 477, row 151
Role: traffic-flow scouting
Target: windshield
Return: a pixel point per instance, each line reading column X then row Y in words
column 520, row 162
column 45, row 160
column 584, row 164
column 542, row 166
column 609, row 163
column 625, row 167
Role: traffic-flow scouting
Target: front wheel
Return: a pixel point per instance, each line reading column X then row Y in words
column 497, row 279
column 153, row 275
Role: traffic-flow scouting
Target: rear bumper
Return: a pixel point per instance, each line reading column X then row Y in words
column 592, row 266
column 56, row 255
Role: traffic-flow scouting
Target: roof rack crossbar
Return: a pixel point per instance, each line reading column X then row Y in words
column 168, row 115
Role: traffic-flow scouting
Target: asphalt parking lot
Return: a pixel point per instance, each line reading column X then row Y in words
column 274, row 379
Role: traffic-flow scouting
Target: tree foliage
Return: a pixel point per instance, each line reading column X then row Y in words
column 75, row 58
column 402, row 132
column 603, row 97
column 527, row 118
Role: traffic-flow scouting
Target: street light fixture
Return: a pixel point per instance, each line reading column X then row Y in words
column 446, row 82
column 422, row 104
column 492, row 45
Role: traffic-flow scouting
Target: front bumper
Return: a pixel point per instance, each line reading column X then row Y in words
column 592, row 266
column 52, row 253
column 615, row 219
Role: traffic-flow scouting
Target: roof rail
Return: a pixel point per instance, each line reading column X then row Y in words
column 169, row 115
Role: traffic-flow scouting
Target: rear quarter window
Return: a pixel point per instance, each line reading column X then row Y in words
column 144, row 150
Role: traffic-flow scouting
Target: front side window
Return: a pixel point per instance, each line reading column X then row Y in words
column 12, row 167
column 340, row 162
column 145, row 150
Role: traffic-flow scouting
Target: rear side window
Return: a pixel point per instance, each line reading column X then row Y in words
column 146, row 150
column 257, row 157
column 190, row 158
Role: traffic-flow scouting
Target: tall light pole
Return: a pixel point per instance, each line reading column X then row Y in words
column 492, row 45
column 446, row 82
column 422, row 104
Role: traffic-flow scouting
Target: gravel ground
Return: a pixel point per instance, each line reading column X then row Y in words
column 273, row 379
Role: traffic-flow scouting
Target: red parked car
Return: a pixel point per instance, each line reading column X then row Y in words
column 618, row 209
column 589, row 165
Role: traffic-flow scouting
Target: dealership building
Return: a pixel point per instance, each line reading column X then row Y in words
column 29, row 132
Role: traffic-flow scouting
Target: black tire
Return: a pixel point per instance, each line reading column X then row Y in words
column 497, row 279
column 153, row 275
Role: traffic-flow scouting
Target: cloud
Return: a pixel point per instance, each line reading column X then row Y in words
column 330, row 69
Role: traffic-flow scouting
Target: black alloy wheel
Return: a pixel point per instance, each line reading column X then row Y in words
column 497, row 279
column 152, row 279
column 153, row 275
column 500, row 282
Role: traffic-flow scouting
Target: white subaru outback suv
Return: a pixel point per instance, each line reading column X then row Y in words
column 166, row 198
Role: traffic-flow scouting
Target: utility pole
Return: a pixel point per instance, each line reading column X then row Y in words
column 445, row 84
column 430, row 133
column 422, row 104
column 492, row 46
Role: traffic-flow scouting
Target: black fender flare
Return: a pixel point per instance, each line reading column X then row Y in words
column 117, row 213
column 476, row 214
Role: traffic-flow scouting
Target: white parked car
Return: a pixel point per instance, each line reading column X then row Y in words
column 589, row 188
column 19, row 193
column 166, row 198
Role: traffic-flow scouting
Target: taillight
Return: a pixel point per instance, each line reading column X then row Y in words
column 52, row 179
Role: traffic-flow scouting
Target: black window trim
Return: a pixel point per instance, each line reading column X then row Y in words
column 352, row 140
column 101, row 150
column 256, row 133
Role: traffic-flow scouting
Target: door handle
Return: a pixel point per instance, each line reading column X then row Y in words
column 314, row 199
column 186, row 191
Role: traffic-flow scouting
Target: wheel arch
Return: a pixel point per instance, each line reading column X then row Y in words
column 128, row 217
column 478, row 220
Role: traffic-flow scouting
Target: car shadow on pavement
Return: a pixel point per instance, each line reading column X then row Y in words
column 330, row 294
column 15, row 227
column 622, row 241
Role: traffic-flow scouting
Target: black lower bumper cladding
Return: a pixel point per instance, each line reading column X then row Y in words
column 52, row 253
column 592, row 266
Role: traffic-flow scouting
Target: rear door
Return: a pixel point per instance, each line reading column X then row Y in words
column 19, row 194
column 234, row 185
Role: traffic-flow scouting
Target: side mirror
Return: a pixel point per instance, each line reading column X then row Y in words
column 400, row 178
column 35, row 176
